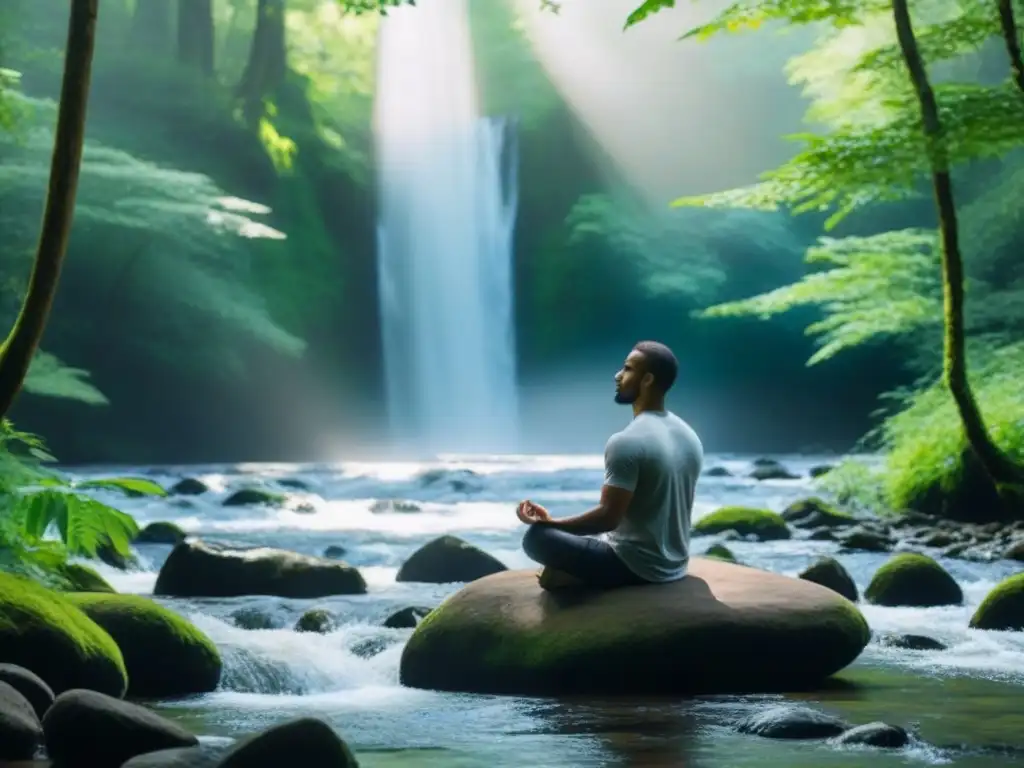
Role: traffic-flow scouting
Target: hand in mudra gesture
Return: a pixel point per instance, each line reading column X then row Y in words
column 531, row 513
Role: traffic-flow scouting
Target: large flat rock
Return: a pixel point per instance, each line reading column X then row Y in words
column 724, row 628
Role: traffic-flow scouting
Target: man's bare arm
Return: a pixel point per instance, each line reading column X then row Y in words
column 605, row 517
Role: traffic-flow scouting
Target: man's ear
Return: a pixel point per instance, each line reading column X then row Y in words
column 647, row 380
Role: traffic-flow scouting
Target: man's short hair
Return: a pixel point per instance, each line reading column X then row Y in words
column 660, row 362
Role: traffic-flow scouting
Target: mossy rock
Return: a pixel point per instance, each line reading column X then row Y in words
column 746, row 521
column 46, row 633
column 1003, row 607
column 721, row 552
column 164, row 653
column 829, row 572
column 816, row 513
column 245, row 497
column 504, row 634
column 913, row 580
column 82, row 578
column 315, row 620
column 160, row 532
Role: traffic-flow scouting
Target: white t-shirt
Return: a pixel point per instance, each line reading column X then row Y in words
column 659, row 458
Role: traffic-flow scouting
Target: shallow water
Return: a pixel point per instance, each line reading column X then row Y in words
column 963, row 703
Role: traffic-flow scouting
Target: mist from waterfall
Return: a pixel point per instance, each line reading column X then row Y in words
column 448, row 187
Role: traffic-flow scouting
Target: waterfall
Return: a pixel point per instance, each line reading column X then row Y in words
column 448, row 194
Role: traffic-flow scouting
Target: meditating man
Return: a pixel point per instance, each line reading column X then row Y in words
column 651, row 471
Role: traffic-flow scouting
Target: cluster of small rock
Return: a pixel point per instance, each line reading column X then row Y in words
column 910, row 578
column 82, row 728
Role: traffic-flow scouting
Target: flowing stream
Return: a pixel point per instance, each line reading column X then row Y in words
column 964, row 702
column 448, row 196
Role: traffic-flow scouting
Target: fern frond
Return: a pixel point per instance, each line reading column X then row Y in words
column 83, row 524
column 877, row 286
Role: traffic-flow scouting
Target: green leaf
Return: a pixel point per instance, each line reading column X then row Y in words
column 130, row 486
column 648, row 8
column 83, row 524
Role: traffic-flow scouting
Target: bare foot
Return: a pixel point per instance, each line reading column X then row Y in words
column 551, row 579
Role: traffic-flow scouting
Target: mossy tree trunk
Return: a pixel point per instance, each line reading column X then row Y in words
column 268, row 59
column 196, row 35
column 1011, row 37
column 1004, row 473
column 69, row 139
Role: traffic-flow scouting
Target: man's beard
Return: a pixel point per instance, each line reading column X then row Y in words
column 622, row 397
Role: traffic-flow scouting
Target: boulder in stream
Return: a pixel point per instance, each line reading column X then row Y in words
column 160, row 532
column 1003, row 607
column 815, row 513
column 913, row 580
column 762, row 524
column 20, row 730
column 790, row 721
column 829, row 572
column 448, row 559
column 164, row 653
column 504, row 634
column 200, row 569
column 45, row 633
column 29, row 685
column 87, row 728
column 307, row 741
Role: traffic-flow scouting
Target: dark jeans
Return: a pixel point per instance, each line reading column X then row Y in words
column 592, row 561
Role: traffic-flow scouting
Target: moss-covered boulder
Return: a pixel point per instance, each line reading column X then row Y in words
column 746, row 521
column 165, row 655
column 448, row 559
column 199, row 569
column 1003, row 607
column 829, row 572
column 160, row 532
column 815, row 513
column 82, row 578
column 504, row 634
column 188, row 486
column 45, row 633
column 912, row 579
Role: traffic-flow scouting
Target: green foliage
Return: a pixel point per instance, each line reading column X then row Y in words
column 36, row 504
column 872, row 287
column 146, row 236
column 49, row 377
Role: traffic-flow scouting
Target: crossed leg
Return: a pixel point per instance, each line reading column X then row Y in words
column 586, row 561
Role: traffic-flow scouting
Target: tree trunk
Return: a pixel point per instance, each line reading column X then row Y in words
column 268, row 59
column 151, row 27
column 1008, row 22
column 195, row 34
column 21, row 345
column 1003, row 472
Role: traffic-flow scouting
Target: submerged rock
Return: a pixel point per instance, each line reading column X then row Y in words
column 254, row 618
column 45, row 633
column 407, row 618
column 911, row 642
column 789, row 721
column 188, row 486
column 245, row 497
column 315, row 620
column 770, row 469
column 863, row 539
column 448, row 559
column 164, row 653
column 504, row 634
column 914, row 580
column 199, row 569
column 1003, row 607
column 875, row 735
column 829, row 572
column 763, row 524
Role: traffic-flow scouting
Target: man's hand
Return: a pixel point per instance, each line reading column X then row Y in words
column 531, row 513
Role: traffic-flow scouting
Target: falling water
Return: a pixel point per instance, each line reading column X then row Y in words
column 448, row 193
